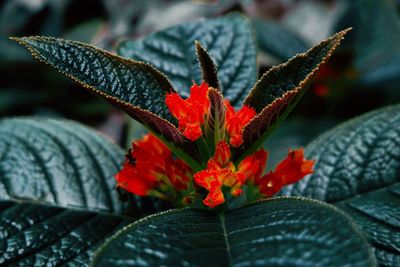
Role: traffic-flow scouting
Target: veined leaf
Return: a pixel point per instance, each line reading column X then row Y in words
column 228, row 40
column 57, row 192
column 33, row 234
column 62, row 163
column 357, row 169
column 279, row 89
column 135, row 87
column 215, row 121
column 276, row 232
column 118, row 80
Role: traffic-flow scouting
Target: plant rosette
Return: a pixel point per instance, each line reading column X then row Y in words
column 203, row 153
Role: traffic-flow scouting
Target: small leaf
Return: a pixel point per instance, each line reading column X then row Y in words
column 228, row 40
column 33, row 234
column 276, row 232
column 207, row 66
column 215, row 122
column 357, row 169
column 279, row 89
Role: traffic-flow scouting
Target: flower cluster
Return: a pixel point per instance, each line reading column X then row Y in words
column 152, row 169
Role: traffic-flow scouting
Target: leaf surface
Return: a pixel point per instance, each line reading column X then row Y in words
column 278, row 232
column 34, row 234
column 358, row 170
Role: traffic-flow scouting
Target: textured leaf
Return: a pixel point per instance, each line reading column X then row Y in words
column 215, row 122
column 279, row 89
column 103, row 73
column 278, row 41
column 228, row 40
column 40, row 235
column 278, row 232
column 358, row 169
column 62, row 163
column 135, row 87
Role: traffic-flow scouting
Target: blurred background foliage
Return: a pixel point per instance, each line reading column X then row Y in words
column 363, row 75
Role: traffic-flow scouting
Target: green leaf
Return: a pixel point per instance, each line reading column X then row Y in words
column 207, row 67
column 357, row 169
column 279, row 89
column 63, row 163
column 277, row 232
column 135, row 87
column 228, row 40
column 278, row 41
column 48, row 170
column 121, row 81
column 33, row 234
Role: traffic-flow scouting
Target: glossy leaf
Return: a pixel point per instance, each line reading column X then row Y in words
column 135, row 87
column 278, row 232
column 62, row 163
column 278, row 41
column 33, row 234
column 358, row 166
column 228, row 40
column 279, row 89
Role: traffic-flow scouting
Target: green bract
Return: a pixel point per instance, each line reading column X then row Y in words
column 58, row 203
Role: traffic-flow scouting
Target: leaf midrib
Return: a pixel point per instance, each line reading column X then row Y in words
column 225, row 234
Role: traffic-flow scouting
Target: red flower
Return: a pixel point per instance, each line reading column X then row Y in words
column 220, row 172
column 290, row 170
column 132, row 181
column 236, row 121
column 150, row 167
column 190, row 112
column 294, row 167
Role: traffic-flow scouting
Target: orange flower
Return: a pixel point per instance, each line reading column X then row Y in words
column 190, row 112
column 132, row 181
column 290, row 170
column 236, row 121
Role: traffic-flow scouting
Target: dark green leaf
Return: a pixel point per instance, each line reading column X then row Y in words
column 278, row 232
column 279, row 89
column 39, row 235
column 207, row 67
column 62, row 163
column 358, row 169
column 120, row 81
column 278, row 41
column 228, row 40
column 135, row 87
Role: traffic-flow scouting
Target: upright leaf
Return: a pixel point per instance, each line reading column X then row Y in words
column 279, row 89
column 207, row 67
column 358, row 169
column 135, row 87
column 228, row 39
column 277, row 232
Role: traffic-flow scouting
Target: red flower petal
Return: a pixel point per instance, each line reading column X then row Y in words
column 236, row 121
column 294, row 167
column 270, row 184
